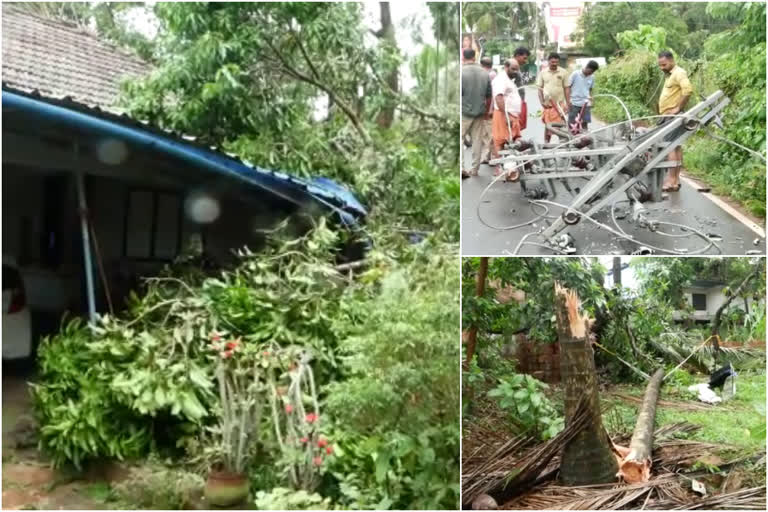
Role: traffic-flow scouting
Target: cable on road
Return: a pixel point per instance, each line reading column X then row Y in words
column 620, row 232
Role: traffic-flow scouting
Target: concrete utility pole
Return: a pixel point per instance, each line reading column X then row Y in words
column 616, row 271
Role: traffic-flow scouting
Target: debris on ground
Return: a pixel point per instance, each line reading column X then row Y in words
column 704, row 393
column 522, row 476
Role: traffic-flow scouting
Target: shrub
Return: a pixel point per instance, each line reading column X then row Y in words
column 523, row 396
column 153, row 486
column 636, row 79
column 115, row 388
column 280, row 498
column 396, row 412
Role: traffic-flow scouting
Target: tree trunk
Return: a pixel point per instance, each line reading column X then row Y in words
column 636, row 466
column 482, row 274
column 724, row 305
column 588, row 458
column 387, row 34
column 616, row 272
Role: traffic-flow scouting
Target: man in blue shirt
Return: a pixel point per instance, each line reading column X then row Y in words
column 580, row 92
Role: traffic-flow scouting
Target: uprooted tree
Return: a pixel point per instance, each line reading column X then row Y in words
column 588, row 458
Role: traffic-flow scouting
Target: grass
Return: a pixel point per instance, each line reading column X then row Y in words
column 739, row 422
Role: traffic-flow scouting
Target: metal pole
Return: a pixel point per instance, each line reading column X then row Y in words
column 83, row 207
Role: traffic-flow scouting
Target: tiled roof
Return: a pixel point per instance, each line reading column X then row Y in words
column 59, row 59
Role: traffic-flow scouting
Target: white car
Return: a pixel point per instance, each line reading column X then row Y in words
column 17, row 323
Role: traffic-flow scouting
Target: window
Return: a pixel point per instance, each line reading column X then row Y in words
column 152, row 225
column 699, row 301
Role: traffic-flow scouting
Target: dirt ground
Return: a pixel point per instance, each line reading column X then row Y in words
column 29, row 482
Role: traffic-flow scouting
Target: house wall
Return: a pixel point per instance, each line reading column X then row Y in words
column 125, row 258
column 715, row 299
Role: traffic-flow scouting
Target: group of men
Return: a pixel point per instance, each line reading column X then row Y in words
column 494, row 111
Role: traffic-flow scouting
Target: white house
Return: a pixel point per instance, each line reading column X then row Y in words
column 706, row 296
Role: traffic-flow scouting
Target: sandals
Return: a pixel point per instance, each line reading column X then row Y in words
column 670, row 188
column 511, row 176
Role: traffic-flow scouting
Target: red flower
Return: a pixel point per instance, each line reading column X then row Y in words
column 226, row 354
column 311, row 417
column 322, row 443
column 317, row 461
column 304, row 439
column 231, row 345
column 288, row 408
column 329, row 450
column 215, row 337
column 265, row 353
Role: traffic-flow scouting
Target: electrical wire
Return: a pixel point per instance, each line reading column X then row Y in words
column 711, row 243
column 619, row 233
column 736, row 144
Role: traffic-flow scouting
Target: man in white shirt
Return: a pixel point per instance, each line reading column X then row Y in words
column 507, row 105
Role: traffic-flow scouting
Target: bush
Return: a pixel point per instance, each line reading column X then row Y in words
column 396, row 412
column 734, row 61
column 636, row 79
column 116, row 388
column 153, row 486
column 280, row 498
column 523, row 396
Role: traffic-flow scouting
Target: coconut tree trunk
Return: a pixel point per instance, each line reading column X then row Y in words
column 588, row 458
column 482, row 273
column 636, row 466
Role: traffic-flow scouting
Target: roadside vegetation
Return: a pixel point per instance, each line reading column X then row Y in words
column 722, row 47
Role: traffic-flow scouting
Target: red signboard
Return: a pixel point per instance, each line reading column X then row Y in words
column 565, row 12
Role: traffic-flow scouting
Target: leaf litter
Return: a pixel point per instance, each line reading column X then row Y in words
column 522, row 475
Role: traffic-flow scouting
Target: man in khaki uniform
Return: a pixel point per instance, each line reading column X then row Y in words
column 677, row 90
column 552, row 84
column 475, row 104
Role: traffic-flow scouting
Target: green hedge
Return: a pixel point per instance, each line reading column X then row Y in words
column 732, row 61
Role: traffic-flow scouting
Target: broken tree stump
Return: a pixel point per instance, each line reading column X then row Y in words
column 636, row 466
column 588, row 458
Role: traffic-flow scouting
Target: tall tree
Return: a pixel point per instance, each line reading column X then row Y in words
column 482, row 275
column 386, row 35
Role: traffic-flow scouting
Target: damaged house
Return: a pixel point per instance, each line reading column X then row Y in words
column 93, row 199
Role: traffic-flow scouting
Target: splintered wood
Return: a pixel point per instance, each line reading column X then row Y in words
column 577, row 322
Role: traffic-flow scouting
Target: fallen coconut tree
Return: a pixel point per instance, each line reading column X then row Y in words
column 636, row 465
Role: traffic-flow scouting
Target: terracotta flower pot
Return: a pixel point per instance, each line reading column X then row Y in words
column 226, row 489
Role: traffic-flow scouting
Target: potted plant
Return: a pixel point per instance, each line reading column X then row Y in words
column 242, row 389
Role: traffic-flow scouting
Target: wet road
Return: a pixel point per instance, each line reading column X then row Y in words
column 504, row 205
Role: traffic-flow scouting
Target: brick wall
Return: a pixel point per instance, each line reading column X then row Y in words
column 541, row 360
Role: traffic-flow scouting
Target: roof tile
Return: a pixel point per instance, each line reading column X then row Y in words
column 60, row 59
